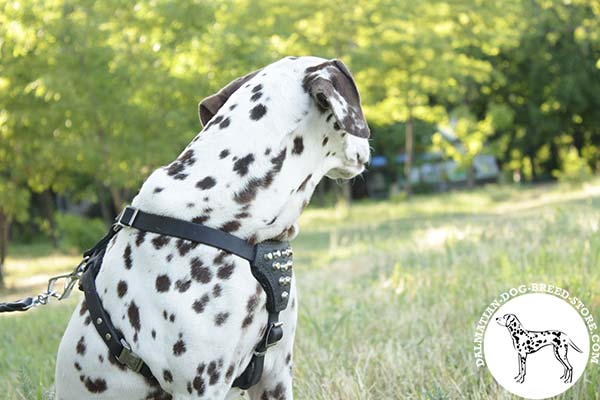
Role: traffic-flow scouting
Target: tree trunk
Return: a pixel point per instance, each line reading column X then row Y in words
column 117, row 197
column 47, row 203
column 4, row 226
column 534, row 175
column 409, row 145
column 471, row 177
column 107, row 214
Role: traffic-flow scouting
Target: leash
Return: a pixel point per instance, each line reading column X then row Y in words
column 270, row 262
column 43, row 298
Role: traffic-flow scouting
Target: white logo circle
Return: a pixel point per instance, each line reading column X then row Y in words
column 536, row 345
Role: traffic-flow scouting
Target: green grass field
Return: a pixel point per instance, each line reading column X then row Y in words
column 390, row 292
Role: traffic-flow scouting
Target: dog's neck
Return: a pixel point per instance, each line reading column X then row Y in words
column 254, row 188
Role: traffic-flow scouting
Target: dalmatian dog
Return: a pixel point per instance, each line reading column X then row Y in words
column 528, row 342
column 194, row 313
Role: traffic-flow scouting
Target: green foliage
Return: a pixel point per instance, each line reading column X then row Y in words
column 95, row 95
column 78, row 233
column 574, row 168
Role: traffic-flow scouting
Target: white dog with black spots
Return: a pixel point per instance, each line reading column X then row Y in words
column 194, row 313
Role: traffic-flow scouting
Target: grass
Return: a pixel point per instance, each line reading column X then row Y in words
column 390, row 292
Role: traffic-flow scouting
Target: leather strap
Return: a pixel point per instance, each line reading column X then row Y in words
column 253, row 371
column 134, row 218
column 114, row 340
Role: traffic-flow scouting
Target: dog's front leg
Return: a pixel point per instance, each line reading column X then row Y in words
column 519, row 374
column 522, row 371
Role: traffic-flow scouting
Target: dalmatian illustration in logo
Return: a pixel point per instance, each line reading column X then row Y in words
column 528, row 342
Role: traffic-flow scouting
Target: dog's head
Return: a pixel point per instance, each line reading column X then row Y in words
column 309, row 105
column 507, row 320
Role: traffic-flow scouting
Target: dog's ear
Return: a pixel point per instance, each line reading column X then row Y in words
column 211, row 105
column 331, row 85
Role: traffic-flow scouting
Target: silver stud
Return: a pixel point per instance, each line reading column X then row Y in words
column 107, row 336
column 287, row 265
column 284, row 295
column 98, row 321
column 268, row 256
column 288, row 279
column 277, row 254
column 276, row 265
column 283, row 281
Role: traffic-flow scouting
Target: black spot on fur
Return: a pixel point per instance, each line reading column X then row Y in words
column 95, row 385
column 200, row 304
column 230, row 226
column 201, row 219
column 256, row 96
column 220, row 257
column 167, row 376
column 199, row 272
column 121, row 289
column 160, row 241
column 199, row 385
column 153, row 333
column 133, row 312
column 298, row 145
column 220, row 318
column 182, row 286
column 216, row 290
column 127, row 257
column 163, row 283
column 184, row 246
column 213, row 373
column 140, row 237
column 257, row 112
column 231, row 107
column 158, row 189
column 223, row 154
column 247, row 321
column 241, row 165
column 325, row 141
column 206, row 183
column 83, row 308
column 242, row 215
column 257, row 88
column 225, row 271
column 267, row 151
column 175, row 168
column 179, row 348
column 225, row 123
column 81, row 346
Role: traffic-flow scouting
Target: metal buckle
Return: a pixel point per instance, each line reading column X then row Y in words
column 129, row 358
column 267, row 335
column 122, row 215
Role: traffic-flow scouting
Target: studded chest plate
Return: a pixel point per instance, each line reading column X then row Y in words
column 272, row 268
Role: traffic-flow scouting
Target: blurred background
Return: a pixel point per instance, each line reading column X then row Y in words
column 485, row 120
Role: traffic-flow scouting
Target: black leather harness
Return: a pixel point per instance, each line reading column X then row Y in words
column 270, row 262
